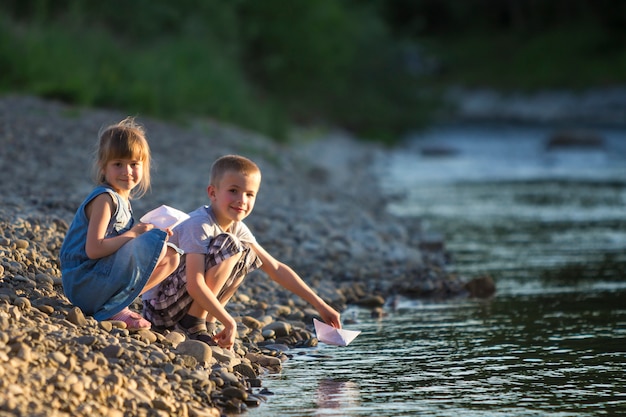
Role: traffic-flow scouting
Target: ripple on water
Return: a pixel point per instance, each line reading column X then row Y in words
column 514, row 356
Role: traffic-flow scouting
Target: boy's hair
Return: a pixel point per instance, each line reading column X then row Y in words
column 123, row 140
column 227, row 163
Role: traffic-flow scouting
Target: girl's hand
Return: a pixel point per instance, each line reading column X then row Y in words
column 141, row 228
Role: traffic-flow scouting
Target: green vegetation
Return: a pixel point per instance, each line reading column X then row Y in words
column 373, row 67
column 566, row 57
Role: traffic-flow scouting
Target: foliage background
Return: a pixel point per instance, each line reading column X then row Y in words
column 374, row 67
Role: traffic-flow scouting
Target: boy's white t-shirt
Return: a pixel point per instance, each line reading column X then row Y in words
column 195, row 234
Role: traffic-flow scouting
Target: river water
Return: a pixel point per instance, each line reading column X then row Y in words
column 549, row 225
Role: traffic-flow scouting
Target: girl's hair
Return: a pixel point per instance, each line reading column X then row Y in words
column 235, row 163
column 124, row 140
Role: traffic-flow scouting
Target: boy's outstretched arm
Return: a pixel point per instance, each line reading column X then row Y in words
column 290, row 280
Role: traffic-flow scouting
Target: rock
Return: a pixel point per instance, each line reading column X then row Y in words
column 58, row 357
column 225, row 356
column 76, row 316
column 21, row 243
column 280, row 328
column 245, row 369
column 371, row 302
column 105, row 325
column 263, row 360
column 481, row 287
column 22, row 303
column 196, row 349
column 146, row 335
column 113, row 351
column 44, row 279
column 47, row 309
column 87, row 340
column 175, row 338
column 572, row 139
column 251, row 322
column 268, row 334
column 233, row 392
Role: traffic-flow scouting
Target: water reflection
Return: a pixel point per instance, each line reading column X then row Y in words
column 336, row 397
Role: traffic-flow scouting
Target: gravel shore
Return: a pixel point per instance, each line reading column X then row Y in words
column 318, row 210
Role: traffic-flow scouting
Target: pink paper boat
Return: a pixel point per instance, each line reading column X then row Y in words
column 329, row 335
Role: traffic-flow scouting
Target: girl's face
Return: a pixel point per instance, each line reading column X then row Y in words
column 234, row 196
column 123, row 175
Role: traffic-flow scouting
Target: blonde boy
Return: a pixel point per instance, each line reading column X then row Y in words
column 219, row 251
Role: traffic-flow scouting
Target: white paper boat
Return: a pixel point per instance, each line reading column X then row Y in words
column 330, row 335
column 164, row 217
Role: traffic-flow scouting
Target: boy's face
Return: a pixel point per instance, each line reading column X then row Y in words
column 233, row 197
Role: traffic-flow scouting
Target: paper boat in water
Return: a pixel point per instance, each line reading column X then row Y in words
column 165, row 217
column 329, row 335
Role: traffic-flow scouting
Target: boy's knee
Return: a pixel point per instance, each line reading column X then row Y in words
column 171, row 258
column 174, row 259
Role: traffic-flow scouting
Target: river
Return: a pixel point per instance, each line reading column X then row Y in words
column 549, row 225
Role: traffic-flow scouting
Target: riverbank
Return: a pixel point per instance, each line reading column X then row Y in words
column 319, row 210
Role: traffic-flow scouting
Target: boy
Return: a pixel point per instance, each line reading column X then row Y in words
column 219, row 251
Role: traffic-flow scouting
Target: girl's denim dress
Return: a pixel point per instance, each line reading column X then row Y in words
column 103, row 287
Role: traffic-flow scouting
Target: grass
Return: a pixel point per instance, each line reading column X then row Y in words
column 167, row 79
column 177, row 77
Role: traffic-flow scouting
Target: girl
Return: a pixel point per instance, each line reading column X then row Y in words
column 107, row 259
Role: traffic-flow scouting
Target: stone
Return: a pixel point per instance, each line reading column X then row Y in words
column 251, row 322
column 21, row 243
column 22, row 302
column 245, row 369
column 45, row 308
column 113, row 351
column 196, row 349
column 280, row 328
column 233, row 392
column 371, row 302
column 175, row 338
column 76, row 316
column 481, row 287
column 105, row 325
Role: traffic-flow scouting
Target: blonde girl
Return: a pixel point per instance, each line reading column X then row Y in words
column 108, row 259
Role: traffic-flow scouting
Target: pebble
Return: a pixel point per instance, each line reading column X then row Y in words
column 278, row 328
column 196, row 349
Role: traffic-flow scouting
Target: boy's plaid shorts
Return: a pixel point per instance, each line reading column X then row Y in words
column 173, row 301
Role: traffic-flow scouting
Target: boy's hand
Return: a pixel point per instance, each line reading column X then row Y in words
column 330, row 316
column 226, row 338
